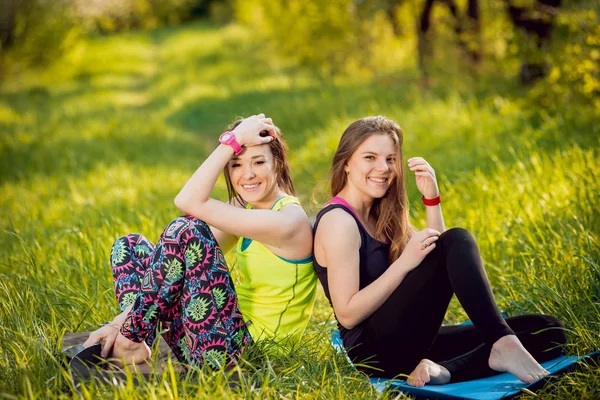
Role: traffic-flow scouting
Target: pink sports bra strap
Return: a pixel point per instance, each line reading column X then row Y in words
column 342, row 202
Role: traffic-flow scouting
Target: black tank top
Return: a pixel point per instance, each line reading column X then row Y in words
column 374, row 261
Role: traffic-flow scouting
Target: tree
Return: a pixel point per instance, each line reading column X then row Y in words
column 466, row 27
column 537, row 23
column 8, row 18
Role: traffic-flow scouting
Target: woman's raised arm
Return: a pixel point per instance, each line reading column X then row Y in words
column 271, row 227
column 427, row 185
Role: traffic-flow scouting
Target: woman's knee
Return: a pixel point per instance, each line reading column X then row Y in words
column 550, row 321
column 457, row 238
column 183, row 228
column 553, row 327
column 547, row 326
column 529, row 322
column 457, row 235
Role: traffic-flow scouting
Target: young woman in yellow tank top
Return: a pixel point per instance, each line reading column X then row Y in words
column 183, row 282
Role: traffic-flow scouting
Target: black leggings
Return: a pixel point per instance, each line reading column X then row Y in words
column 407, row 327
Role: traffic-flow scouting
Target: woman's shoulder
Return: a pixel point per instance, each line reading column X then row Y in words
column 336, row 232
column 291, row 206
column 335, row 219
column 285, row 201
column 334, row 211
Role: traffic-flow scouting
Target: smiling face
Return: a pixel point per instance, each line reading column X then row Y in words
column 367, row 168
column 254, row 177
column 372, row 167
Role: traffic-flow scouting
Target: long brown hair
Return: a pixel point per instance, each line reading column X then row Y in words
column 390, row 211
column 279, row 150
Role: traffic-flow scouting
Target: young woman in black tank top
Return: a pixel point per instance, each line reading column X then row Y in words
column 390, row 285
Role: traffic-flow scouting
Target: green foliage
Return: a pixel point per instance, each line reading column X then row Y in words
column 574, row 57
column 123, row 15
column 49, row 31
column 93, row 150
column 221, row 11
column 356, row 38
column 43, row 32
column 328, row 36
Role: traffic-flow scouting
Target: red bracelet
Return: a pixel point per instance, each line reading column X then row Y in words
column 432, row 202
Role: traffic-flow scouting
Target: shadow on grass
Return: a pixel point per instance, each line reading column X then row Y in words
column 302, row 112
column 76, row 158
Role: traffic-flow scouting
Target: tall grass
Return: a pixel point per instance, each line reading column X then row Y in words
column 98, row 147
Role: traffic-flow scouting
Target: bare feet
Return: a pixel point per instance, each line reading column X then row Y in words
column 428, row 372
column 509, row 355
column 130, row 352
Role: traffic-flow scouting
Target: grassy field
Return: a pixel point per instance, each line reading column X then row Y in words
column 98, row 146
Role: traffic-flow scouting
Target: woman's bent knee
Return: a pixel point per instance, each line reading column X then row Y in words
column 186, row 226
column 453, row 234
column 554, row 328
column 457, row 237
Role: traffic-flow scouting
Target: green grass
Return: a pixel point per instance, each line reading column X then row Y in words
column 98, row 145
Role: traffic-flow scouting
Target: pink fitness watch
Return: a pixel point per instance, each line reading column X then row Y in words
column 228, row 138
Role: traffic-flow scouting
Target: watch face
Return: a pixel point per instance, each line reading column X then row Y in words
column 225, row 137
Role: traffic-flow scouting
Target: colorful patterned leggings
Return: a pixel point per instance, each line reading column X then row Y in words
column 184, row 284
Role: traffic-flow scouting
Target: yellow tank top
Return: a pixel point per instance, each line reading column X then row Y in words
column 276, row 295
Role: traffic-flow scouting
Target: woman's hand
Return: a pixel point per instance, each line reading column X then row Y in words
column 248, row 133
column 425, row 177
column 130, row 352
column 107, row 334
column 417, row 248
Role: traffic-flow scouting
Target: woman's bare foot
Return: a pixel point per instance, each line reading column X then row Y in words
column 428, row 372
column 130, row 352
column 509, row 355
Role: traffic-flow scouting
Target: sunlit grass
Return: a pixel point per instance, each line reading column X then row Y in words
column 98, row 146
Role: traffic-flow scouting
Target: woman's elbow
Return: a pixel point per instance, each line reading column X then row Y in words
column 347, row 321
column 180, row 203
column 183, row 204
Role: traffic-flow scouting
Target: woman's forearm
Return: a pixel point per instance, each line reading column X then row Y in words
column 435, row 218
column 195, row 194
column 198, row 188
column 367, row 300
column 352, row 305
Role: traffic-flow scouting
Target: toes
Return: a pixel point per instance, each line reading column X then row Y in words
column 534, row 377
column 415, row 383
column 419, row 382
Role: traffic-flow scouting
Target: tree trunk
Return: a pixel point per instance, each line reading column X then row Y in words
column 474, row 29
column 390, row 10
column 537, row 22
column 424, row 48
column 8, row 16
column 467, row 29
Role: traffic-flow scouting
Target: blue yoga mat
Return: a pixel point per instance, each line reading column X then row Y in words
column 502, row 386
